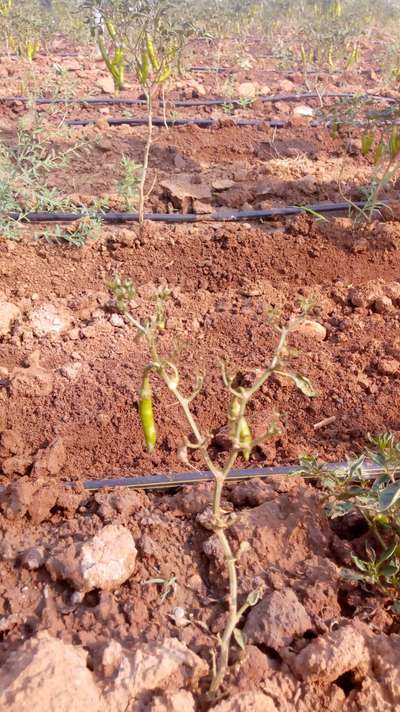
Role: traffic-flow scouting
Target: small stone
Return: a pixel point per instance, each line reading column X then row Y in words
column 8, row 314
column 50, row 460
column 4, row 372
column 47, row 319
column 117, row 320
column 111, row 658
column 33, row 558
column 382, row 305
column 71, row 371
column 106, row 561
column 357, row 298
column 222, row 184
column 201, row 208
column 247, row 90
column 106, row 85
column 303, row 110
column 312, row 329
column 277, row 620
column 286, row 85
column 388, row 366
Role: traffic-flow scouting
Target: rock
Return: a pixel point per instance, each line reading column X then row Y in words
column 47, row 674
column 111, row 658
column 388, row 366
column 201, row 208
column 16, row 465
column 50, row 460
column 247, row 90
column 106, row 85
column 357, row 298
column 330, row 656
column 117, row 320
column 42, row 503
column 155, row 666
column 312, row 329
column 286, row 86
column 182, row 190
column 181, row 701
column 33, row 558
column 31, row 381
column 303, row 110
column 11, row 443
column 47, row 319
column 222, row 184
column 383, row 305
column 247, row 702
column 277, row 620
column 265, row 90
column 8, row 314
column 16, row 499
column 106, row 561
column 71, row 371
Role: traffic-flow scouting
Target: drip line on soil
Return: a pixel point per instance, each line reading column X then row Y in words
column 149, row 482
column 222, row 216
column 170, row 123
column 270, row 98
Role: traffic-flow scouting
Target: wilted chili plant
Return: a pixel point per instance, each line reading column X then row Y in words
column 241, row 438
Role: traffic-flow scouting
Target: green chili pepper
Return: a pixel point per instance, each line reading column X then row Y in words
column 152, row 53
column 146, row 414
column 165, row 75
column 245, row 436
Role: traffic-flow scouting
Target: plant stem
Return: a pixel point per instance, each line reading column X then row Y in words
column 149, row 97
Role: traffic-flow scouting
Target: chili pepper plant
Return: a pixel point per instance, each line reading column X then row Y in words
column 242, row 441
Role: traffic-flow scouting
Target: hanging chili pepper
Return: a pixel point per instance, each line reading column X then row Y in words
column 146, row 414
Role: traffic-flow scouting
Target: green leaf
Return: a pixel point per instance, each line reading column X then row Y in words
column 303, row 384
column 362, row 565
column 388, row 553
column 238, row 635
column 389, row 496
column 389, row 571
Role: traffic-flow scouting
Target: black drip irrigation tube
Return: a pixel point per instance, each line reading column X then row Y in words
column 270, row 98
column 170, row 123
column 164, row 482
column 222, row 216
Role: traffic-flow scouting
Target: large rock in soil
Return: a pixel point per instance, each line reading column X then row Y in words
column 169, row 665
column 277, row 620
column 47, row 675
column 331, row 655
column 105, row 562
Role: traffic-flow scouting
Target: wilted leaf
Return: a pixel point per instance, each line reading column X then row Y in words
column 238, row 635
column 303, row 384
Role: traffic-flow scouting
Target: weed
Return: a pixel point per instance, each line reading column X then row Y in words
column 374, row 493
column 77, row 235
column 129, row 182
